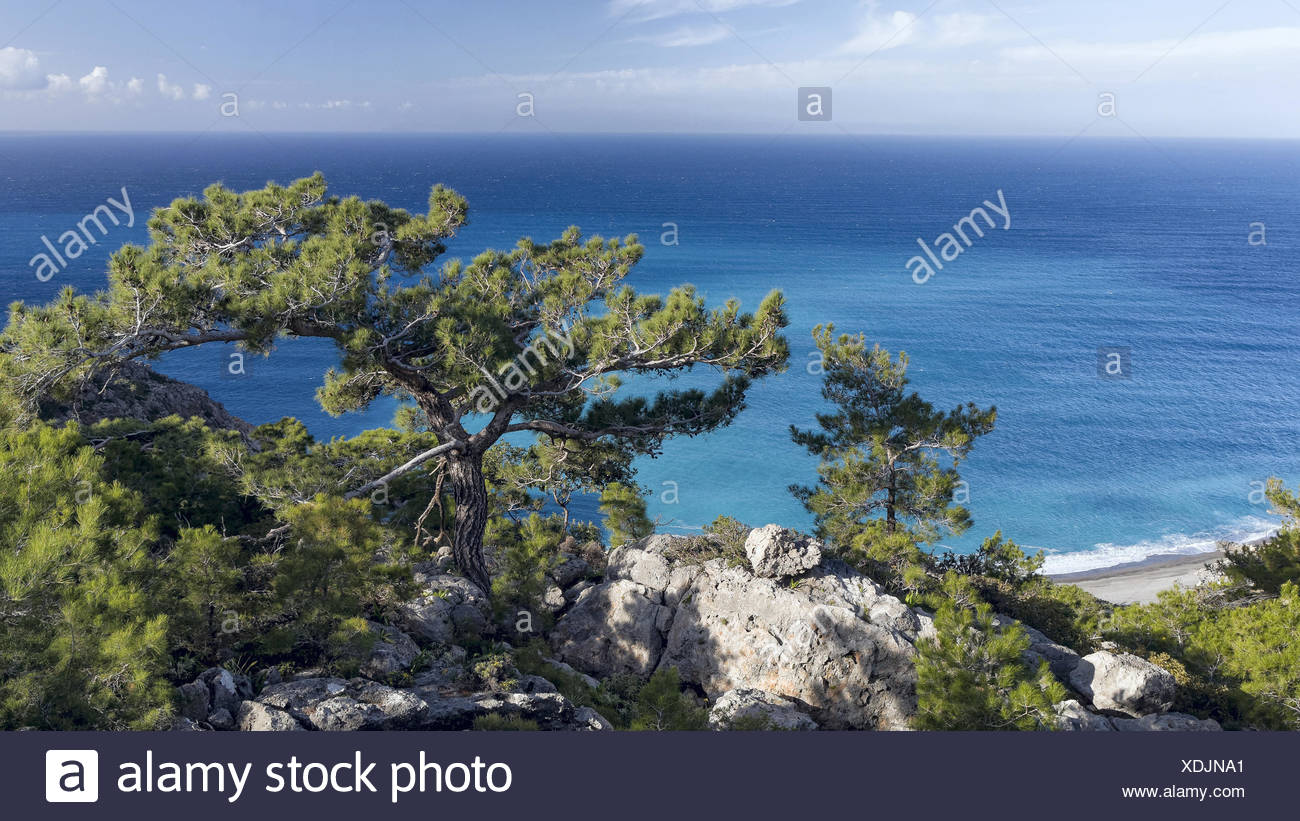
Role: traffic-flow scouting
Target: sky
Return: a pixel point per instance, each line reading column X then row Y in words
column 1169, row 68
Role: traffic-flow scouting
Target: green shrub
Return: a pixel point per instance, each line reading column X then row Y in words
column 498, row 722
column 1064, row 613
column 724, row 538
column 1239, row 661
column 328, row 570
column 80, row 647
column 624, row 509
column 350, row 645
column 997, row 559
column 973, row 676
column 1265, row 566
column 525, row 552
column 661, row 705
column 494, row 671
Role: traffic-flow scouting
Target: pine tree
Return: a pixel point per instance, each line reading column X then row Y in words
column 531, row 340
column 79, row 647
column 661, row 705
column 972, row 675
column 625, row 516
column 882, row 490
column 1270, row 565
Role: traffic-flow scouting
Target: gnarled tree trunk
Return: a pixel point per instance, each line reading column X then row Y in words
column 469, row 490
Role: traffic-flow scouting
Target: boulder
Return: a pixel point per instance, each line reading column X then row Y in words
column 195, row 699
column 256, row 717
column 221, row 719
column 447, row 607
column 1060, row 659
column 551, row 711
column 569, row 571
column 226, row 690
column 394, row 652
column 588, row 719
column 1123, row 683
column 444, row 560
column 374, row 707
column 572, row 593
column 451, row 713
column 535, row 684
column 1166, row 722
column 776, row 552
column 300, row 696
column 1071, row 715
column 553, row 599
column 561, row 667
column 180, row 724
column 757, row 710
column 927, row 631
column 642, row 562
column 616, row 627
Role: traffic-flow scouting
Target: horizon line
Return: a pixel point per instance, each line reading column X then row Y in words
column 841, row 135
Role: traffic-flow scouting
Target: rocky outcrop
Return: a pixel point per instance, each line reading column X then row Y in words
column 334, row 704
column 1123, row 683
column 393, row 652
column 447, row 607
column 1166, row 722
column 1071, row 715
column 569, row 570
column 613, row 628
column 835, row 643
column 807, row 647
column 255, row 717
column 213, row 699
column 775, row 552
column 1060, row 659
column 132, row 390
column 757, row 710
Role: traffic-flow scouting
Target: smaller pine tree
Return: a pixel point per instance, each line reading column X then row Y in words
column 972, row 675
column 661, row 705
column 1269, row 566
column 625, row 517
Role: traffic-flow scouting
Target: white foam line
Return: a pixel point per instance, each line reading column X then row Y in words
column 1248, row 529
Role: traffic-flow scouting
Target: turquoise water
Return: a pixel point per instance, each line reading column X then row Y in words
column 1110, row 243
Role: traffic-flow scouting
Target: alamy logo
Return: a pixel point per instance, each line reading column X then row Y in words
column 71, row 776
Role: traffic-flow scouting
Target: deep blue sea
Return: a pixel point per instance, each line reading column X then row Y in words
column 1130, row 244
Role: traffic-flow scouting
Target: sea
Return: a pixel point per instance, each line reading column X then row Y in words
column 1135, row 318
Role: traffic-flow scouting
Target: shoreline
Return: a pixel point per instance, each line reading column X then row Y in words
column 1140, row 582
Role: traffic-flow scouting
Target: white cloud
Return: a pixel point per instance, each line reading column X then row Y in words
column 963, row 29
column 880, row 33
column 20, row 70
column 688, row 36
column 96, row 82
column 135, row 86
column 1227, row 48
column 171, row 91
column 201, row 91
column 56, row 83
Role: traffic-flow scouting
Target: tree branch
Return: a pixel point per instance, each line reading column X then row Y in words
column 410, row 465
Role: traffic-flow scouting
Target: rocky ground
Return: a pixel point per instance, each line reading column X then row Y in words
column 780, row 637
